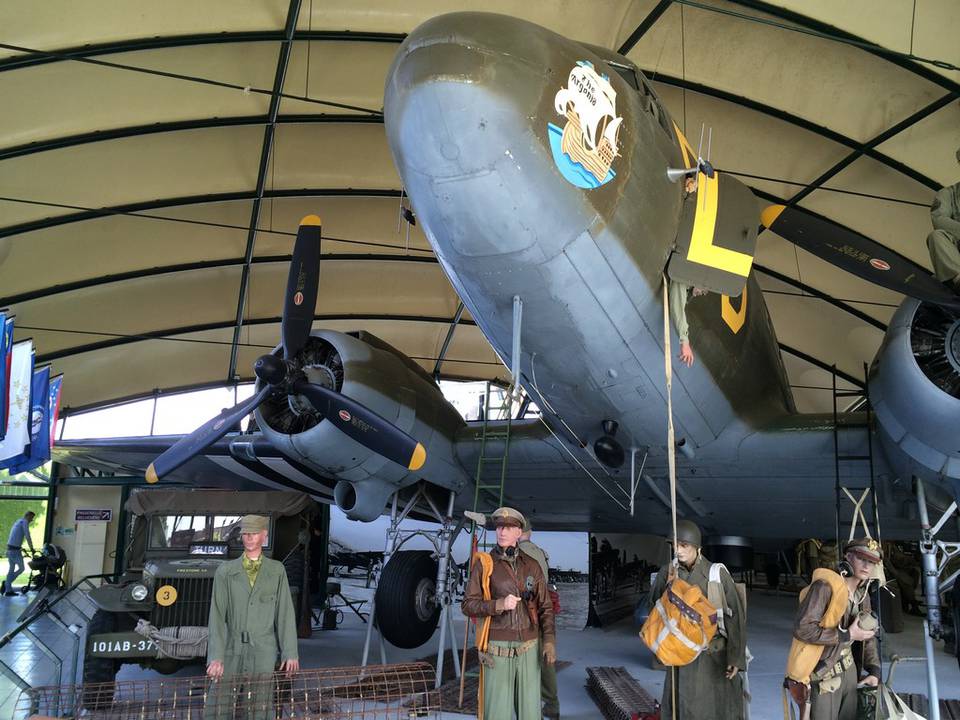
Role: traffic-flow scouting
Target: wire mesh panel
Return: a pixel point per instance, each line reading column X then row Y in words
column 381, row 692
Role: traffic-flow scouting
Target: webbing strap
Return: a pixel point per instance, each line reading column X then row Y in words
column 858, row 515
column 671, row 445
column 670, row 628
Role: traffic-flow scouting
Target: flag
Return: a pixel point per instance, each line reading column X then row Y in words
column 56, row 384
column 18, row 419
column 6, row 357
column 39, row 452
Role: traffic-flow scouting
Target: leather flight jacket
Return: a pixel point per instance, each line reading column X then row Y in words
column 521, row 577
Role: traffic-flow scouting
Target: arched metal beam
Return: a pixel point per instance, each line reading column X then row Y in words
column 200, row 265
column 872, row 48
column 800, row 122
column 119, row 340
column 266, row 150
column 822, row 365
column 67, row 141
column 174, row 41
column 819, row 294
column 92, row 214
column 645, row 24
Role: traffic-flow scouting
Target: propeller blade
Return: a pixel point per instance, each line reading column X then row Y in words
column 203, row 437
column 300, row 302
column 857, row 254
column 364, row 425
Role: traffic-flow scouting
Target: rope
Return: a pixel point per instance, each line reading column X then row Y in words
column 671, row 461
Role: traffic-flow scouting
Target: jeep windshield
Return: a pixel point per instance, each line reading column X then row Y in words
column 180, row 532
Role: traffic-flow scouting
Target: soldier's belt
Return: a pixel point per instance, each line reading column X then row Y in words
column 511, row 652
column 845, row 661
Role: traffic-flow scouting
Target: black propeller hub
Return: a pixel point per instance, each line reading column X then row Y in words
column 270, row 369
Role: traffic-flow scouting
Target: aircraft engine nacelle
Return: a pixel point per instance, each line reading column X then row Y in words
column 368, row 370
column 915, row 392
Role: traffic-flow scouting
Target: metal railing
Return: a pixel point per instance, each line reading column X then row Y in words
column 43, row 606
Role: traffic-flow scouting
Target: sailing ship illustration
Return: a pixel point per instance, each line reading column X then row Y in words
column 591, row 133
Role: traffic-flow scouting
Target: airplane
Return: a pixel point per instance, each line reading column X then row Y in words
column 554, row 187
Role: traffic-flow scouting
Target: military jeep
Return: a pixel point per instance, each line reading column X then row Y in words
column 156, row 614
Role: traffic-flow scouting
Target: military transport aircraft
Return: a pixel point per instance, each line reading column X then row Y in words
column 548, row 171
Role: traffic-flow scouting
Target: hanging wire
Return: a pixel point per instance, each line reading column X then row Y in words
column 187, row 78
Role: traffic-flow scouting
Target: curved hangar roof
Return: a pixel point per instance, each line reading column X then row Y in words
column 135, row 150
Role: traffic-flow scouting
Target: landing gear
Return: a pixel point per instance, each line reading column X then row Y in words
column 415, row 589
column 935, row 554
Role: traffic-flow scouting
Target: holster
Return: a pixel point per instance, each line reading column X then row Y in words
column 532, row 612
column 800, row 694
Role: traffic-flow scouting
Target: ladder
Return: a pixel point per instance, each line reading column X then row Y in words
column 485, row 490
column 857, row 492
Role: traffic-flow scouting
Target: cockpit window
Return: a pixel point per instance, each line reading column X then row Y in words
column 627, row 73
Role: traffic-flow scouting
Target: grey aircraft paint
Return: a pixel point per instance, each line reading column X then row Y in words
column 469, row 105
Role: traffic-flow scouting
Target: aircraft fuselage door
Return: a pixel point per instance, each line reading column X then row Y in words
column 717, row 236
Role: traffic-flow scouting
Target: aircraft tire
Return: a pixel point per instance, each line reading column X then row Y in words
column 407, row 613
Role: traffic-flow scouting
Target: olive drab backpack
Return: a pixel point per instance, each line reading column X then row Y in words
column 681, row 624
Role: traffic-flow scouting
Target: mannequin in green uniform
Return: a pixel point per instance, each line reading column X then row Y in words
column 548, row 671
column 944, row 242
column 252, row 622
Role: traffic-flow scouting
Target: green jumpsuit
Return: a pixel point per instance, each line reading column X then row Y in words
column 250, row 629
column 944, row 242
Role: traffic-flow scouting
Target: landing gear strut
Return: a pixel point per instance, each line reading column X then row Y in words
column 414, row 591
column 935, row 554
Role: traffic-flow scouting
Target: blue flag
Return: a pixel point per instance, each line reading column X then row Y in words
column 6, row 358
column 39, row 449
column 53, row 408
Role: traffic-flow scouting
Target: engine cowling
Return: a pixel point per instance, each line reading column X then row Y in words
column 915, row 392
column 370, row 371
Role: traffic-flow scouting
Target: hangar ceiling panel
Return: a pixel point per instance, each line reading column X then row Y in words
column 784, row 107
column 114, row 98
column 923, row 146
column 595, row 23
column 130, row 170
column 797, row 73
column 63, row 24
column 335, row 155
column 353, row 287
column 352, row 73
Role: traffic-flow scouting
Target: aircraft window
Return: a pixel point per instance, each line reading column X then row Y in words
column 654, row 106
column 627, row 74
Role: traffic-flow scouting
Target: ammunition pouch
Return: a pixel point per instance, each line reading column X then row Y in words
column 828, row 679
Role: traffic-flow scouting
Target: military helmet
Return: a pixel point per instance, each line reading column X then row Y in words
column 508, row 516
column 687, row 532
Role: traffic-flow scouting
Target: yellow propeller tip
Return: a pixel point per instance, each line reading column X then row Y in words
column 311, row 220
column 770, row 214
column 151, row 474
column 418, row 458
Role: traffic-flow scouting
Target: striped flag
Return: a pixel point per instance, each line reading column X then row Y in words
column 17, row 439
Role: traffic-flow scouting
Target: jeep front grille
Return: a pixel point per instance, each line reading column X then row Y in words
column 192, row 606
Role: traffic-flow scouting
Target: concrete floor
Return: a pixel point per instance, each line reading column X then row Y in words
column 770, row 619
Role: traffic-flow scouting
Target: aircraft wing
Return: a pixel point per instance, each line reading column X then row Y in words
column 775, row 483
column 238, row 461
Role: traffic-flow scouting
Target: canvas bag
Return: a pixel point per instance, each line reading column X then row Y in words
column 681, row 624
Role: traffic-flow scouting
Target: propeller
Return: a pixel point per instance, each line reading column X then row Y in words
column 857, row 254
column 283, row 375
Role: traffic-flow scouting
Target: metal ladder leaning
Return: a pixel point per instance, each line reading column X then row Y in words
column 484, row 489
column 844, row 487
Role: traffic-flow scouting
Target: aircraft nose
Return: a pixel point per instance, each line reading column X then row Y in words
column 463, row 107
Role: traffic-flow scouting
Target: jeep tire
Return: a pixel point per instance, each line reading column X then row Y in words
column 99, row 672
